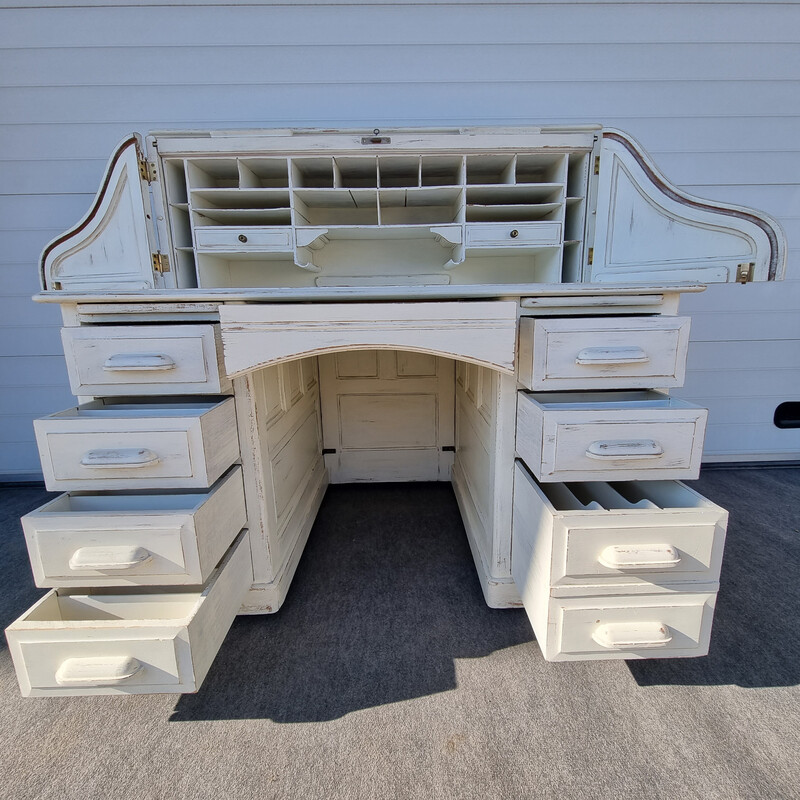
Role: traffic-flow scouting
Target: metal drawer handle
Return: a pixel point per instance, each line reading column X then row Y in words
column 599, row 356
column 514, row 233
column 109, row 558
column 138, row 362
column 98, row 671
column 640, row 556
column 120, row 457
column 242, row 238
column 632, row 635
column 630, row 449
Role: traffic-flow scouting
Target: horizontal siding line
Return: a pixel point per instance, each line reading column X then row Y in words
column 391, row 44
column 357, row 122
column 410, row 82
column 751, row 372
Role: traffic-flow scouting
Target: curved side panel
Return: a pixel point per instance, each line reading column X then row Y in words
column 110, row 247
column 648, row 230
column 256, row 336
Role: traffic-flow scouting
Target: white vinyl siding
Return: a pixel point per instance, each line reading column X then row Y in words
column 711, row 90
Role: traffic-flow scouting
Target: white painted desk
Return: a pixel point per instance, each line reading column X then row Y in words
column 248, row 317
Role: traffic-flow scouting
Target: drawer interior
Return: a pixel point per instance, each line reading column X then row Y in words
column 619, row 400
column 122, row 502
column 111, row 608
column 600, row 496
column 126, row 409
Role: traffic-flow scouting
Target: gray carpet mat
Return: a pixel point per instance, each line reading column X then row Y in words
column 385, row 675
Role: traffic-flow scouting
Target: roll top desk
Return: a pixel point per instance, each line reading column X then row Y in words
column 249, row 316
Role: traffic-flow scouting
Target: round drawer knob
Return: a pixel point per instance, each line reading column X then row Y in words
column 242, row 237
column 513, row 234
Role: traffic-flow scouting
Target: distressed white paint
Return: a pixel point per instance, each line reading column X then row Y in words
column 278, row 412
column 387, row 415
column 145, row 360
column 185, row 444
column 609, row 436
column 603, row 353
column 257, row 336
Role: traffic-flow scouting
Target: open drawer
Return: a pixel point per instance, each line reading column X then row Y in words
column 137, row 642
column 613, row 534
column 133, row 539
column 587, row 436
column 182, row 444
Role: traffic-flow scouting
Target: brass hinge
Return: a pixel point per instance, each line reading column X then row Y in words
column 597, row 165
column 744, row 272
column 147, row 170
column 590, row 259
column 160, row 263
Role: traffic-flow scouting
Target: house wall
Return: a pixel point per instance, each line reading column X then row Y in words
column 710, row 89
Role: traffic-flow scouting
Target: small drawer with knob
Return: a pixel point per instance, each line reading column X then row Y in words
column 490, row 235
column 180, row 444
column 627, row 435
column 557, row 354
column 134, row 539
column 115, row 360
column 252, row 239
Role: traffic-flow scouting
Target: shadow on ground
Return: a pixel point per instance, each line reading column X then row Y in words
column 384, row 600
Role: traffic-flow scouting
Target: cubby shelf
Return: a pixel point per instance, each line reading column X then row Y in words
column 498, row 217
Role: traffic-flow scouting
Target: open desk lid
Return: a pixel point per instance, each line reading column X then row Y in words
column 114, row 246
column 649, row 231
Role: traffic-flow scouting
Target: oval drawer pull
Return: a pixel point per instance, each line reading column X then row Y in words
column 120, row 457
column 632, row 449
column 632, row 635
column 98, row 671
column 640, row 556
column 138, row 362
column 109, row 558
column 600, row 356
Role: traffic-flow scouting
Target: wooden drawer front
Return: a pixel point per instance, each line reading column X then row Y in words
column 128, row 643
column 658, row 532
column 130, row 539
column 662, row 626
column 137, row 446
column 246, row 239
column 609, row 436
column 513, row 234
column 603, row 353
column 145, row 360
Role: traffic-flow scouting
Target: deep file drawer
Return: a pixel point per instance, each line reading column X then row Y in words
column 134, row 642
column 144, row 360
column 557, row 354
column 634, row 534
column 584, row 436
column 166, row 445
column 131, row 539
